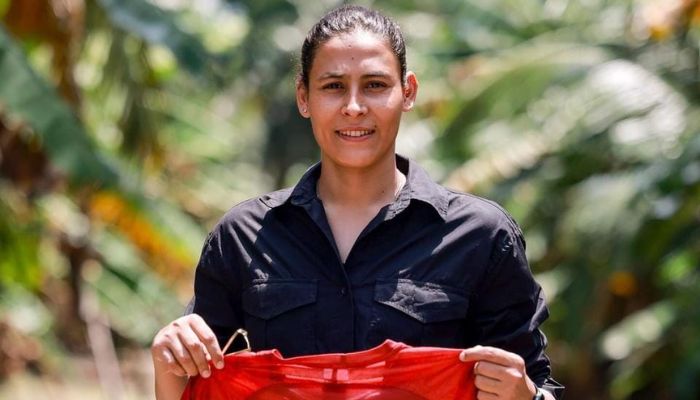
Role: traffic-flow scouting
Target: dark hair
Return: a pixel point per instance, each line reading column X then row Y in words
column 347, row 19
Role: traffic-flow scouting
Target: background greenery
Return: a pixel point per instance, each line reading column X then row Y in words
column 128, row 127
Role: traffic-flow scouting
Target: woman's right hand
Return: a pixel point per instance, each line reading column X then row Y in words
column 185, row 346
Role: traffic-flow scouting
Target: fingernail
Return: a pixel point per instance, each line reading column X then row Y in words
column 206, row 374
column 220, row 364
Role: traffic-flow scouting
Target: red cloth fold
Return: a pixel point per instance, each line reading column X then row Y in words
column 389, row 371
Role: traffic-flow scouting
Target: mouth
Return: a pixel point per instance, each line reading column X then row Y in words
column 355, row 133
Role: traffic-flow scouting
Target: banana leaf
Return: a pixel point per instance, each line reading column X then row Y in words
column 29, row 98
column 157, row 26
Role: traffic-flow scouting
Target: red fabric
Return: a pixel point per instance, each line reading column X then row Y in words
column 389, row 371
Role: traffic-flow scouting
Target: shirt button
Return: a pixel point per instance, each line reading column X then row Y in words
column 343, row 291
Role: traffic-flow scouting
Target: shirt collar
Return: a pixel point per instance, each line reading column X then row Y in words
column 418, row 186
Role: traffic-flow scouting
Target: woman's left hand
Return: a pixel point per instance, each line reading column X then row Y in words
column 499, row 374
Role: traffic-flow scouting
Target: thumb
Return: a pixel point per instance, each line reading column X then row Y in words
column 471, row 354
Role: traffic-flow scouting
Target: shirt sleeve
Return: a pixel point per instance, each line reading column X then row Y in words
column 216, row 287
column 509, row 307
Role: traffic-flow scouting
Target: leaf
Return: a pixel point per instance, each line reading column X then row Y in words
column 30, row 98
column 269, row 10
column 638, row 330
column 158, row 26
column 135, row 218
column 503, row 86
column 19, row 243
column 136, row 300
column 24, row 311
column 4, row 6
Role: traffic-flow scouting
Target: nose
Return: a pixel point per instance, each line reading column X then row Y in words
column 354, row 105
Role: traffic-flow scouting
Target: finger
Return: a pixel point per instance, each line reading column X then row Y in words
column 489, row 369
column 173, row 365
column 497, row 371
column 487, row 384
column 482, row 395
column 184, row 358
column 492, row 354
column 197, row 351
column 164, row 356
column 206, row 336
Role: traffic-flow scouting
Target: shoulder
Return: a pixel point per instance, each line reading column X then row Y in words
column 491, row 223
column 251, row 212
column 483, row 213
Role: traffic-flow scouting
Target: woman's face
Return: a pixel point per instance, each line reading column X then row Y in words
column 355, row 99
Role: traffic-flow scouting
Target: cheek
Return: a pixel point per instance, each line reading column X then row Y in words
column 390, row 106
column 389, row 114
column 322, row 109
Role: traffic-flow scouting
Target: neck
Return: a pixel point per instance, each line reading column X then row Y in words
column 360, row 187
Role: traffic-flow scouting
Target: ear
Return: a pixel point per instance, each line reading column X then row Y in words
column 302, row 94
column 410, row 90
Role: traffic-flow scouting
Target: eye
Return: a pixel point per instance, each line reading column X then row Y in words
column 332, row 86
column 376, row 85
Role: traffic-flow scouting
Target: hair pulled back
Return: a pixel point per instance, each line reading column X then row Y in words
column 347, row 19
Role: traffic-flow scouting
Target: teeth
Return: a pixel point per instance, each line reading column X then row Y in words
column 355, row 133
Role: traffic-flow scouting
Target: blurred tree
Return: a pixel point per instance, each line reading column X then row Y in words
column 54, row 185
column 127, row 127
column 583, row 121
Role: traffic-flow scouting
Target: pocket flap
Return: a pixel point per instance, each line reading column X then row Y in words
column 270, row 298
column 427, row 302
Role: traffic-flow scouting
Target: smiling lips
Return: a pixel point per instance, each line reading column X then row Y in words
column 355, row 133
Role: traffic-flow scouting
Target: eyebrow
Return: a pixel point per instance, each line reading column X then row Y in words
column 337, row 75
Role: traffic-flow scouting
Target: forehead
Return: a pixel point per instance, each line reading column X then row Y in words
column 358, row 50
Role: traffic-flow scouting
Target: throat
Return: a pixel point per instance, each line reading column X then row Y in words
column 358, row 192
column 347, row 225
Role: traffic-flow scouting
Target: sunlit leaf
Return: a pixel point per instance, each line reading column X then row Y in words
column 19, row 243
column 28, row 97
column 158, row 26
column 640, row 329
column 136, row 300
column 4, row 6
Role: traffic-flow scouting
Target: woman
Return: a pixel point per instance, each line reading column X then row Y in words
column 365, row 247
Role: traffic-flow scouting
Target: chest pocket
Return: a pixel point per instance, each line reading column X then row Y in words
column 418, row 313
column 280, row 314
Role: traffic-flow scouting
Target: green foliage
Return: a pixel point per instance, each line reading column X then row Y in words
column 25, row 311
column 19, row 243
column 593, row 147
column 4, row 5
column 29, row 97
column 581, row 118
column 135, row 300
column 157, row 26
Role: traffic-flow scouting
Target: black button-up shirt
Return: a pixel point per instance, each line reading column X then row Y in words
column 433, row 268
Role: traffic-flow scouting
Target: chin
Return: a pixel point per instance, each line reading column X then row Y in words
column 356, row 160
